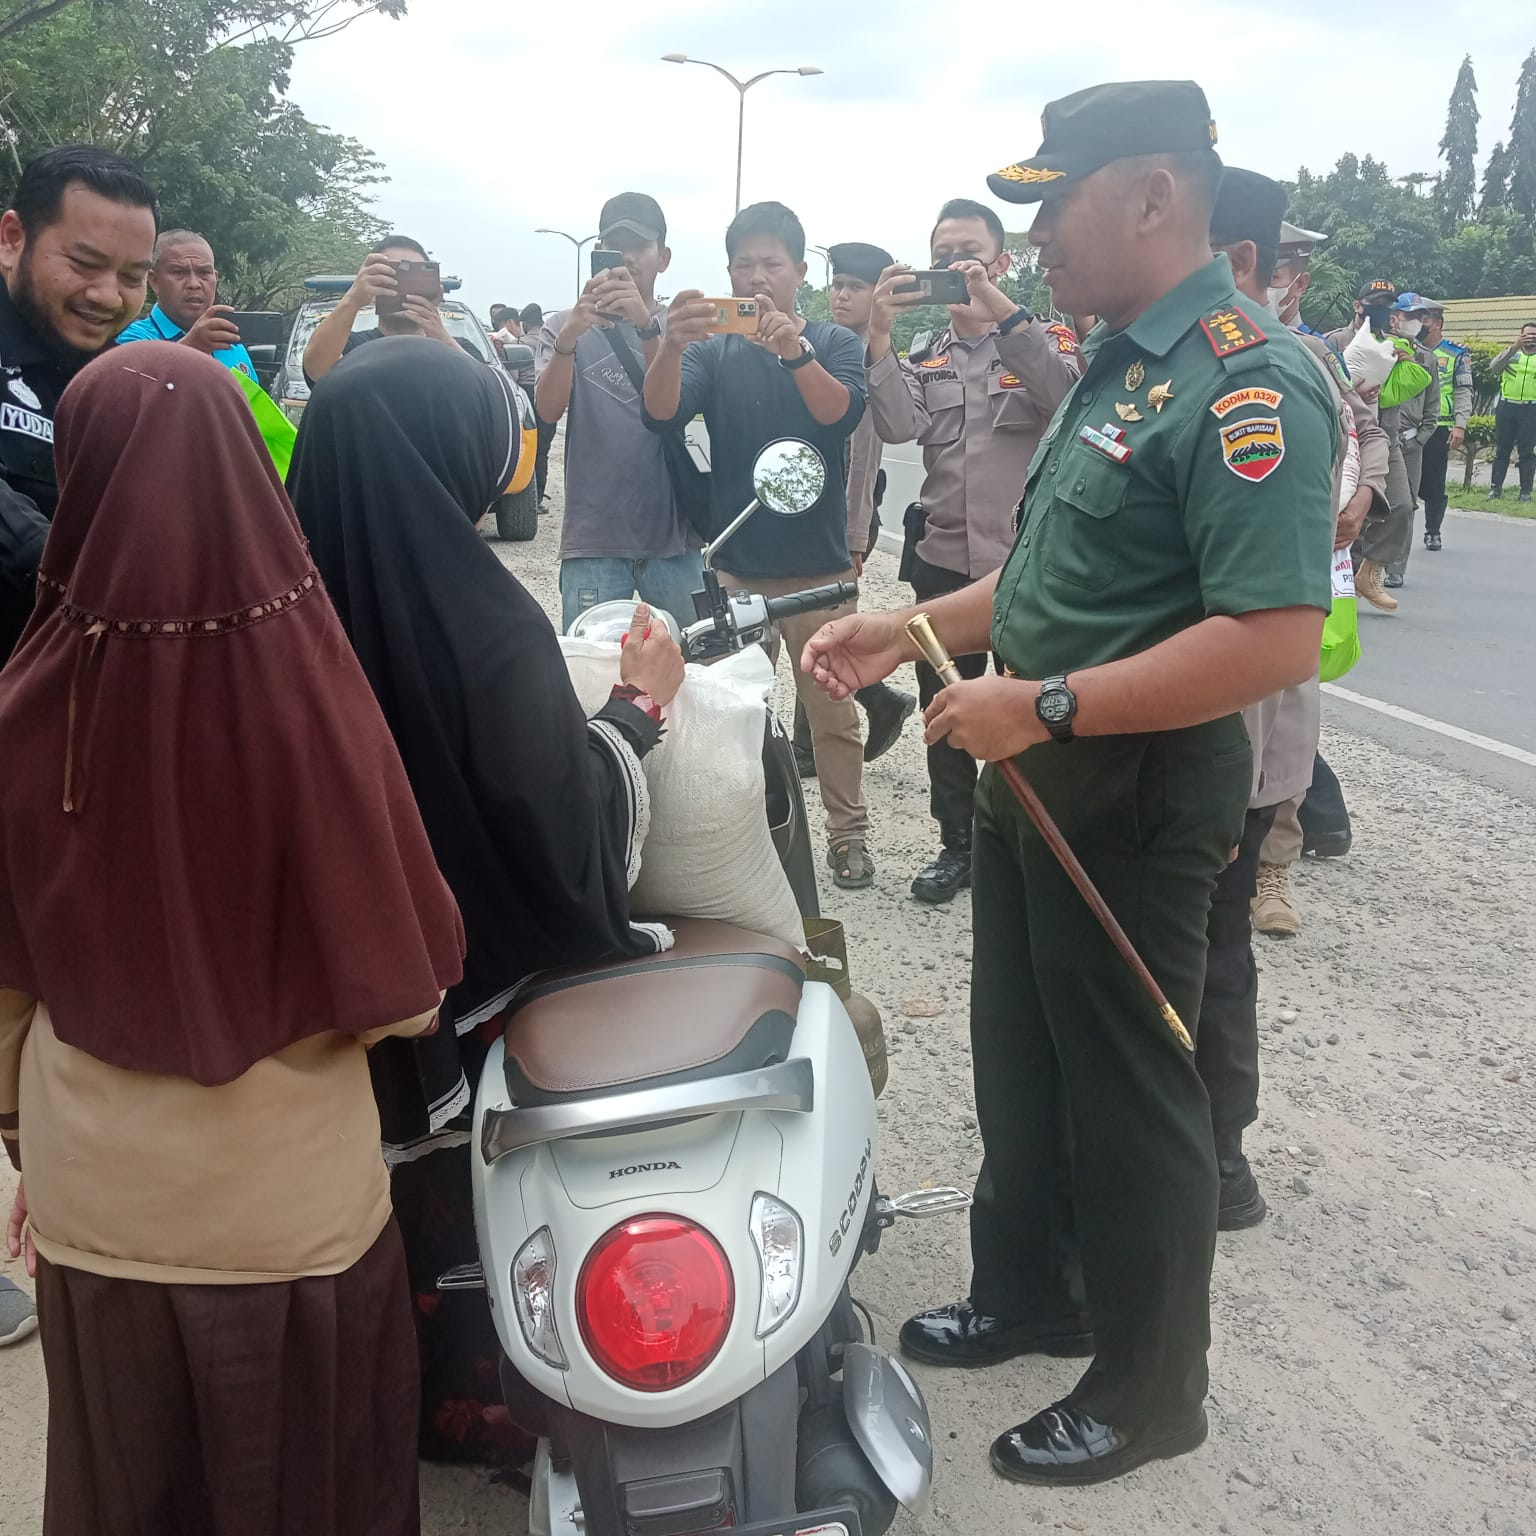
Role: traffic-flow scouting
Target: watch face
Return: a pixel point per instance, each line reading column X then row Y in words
column 1056, row 707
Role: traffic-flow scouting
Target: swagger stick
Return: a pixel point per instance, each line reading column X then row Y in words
column 921, row 630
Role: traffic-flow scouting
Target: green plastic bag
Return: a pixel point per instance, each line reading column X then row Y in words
column 1341, row 629
column 277, row 432
column 1406, row 380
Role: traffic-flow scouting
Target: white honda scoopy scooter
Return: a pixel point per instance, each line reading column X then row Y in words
column 674, row 1176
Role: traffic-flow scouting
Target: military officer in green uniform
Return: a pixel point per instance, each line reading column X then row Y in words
column 1171, row 566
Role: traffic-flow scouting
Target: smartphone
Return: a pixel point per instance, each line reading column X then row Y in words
column 258, row 327
column 422, row 278
column 941, row 287
column 735, row 317
column 606, row 261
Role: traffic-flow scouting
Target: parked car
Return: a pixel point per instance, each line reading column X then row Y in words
column 517, row 513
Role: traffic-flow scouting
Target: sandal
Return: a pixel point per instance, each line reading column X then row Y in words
column 852, row 867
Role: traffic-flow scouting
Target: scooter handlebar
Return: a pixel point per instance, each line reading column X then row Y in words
column 793, row 604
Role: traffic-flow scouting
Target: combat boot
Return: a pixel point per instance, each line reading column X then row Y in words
column 1240, row 1204
column 950, row 873
column 1368, row 584
column 1274, row 909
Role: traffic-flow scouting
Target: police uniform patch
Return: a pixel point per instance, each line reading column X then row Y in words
column 29, row 423
column 934, row 362
column 1009, row 381
column 1253, row 449
column 1065, row 336
column 1229, row 330
column 25, row 393
column 1270, row 398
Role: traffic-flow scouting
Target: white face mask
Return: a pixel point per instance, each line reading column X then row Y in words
column 1277, row 298
column 1409, row 328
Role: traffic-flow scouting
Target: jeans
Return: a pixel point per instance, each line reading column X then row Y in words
column 668, row 584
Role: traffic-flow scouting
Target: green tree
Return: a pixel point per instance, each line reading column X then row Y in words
column 1456, row 190
column 1522, row 142
column 208, row 120
column 1495, row 181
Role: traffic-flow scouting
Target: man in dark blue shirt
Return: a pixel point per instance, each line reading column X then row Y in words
column 794, row 378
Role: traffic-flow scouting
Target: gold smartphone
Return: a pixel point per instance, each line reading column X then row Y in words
column 734, row 317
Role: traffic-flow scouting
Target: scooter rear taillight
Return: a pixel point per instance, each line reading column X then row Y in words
column 654, row 1300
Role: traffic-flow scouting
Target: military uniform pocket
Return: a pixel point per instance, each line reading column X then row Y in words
column 1080, row 537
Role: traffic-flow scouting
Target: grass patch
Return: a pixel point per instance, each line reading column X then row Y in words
column 1476, row 500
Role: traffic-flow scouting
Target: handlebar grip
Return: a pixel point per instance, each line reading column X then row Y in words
column 792, row 604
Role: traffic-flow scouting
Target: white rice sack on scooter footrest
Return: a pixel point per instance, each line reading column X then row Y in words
column 709, row 852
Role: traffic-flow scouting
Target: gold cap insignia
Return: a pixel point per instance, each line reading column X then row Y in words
column 1028, row 174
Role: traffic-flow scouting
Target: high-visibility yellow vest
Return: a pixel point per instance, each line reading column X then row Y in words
column 1518, row 381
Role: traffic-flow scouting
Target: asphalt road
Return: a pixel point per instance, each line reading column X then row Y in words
column 1457, row 653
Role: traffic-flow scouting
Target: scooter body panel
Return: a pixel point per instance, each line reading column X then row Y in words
column 707, row 1170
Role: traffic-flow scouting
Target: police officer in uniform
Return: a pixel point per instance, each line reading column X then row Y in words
column 1171, row 567
column 75, row 250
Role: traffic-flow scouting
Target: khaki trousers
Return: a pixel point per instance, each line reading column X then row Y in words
column 836, row 736
column 1283, row 845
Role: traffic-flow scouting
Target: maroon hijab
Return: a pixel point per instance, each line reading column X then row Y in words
column 208, row 847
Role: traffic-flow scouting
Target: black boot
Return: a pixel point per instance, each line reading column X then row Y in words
column 950, row 873
column 1240, row 1204
column 888, row 709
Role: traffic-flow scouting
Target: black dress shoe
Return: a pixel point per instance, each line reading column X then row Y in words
column 1241, row 1205
column 888, row 710
column 1065, row 1447
column 1326, row 845
column 1433, row 541
column 949, row 874
column 960, row 1335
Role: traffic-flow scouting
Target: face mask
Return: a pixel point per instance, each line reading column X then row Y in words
column 1378, row 317
column 1409, row 328
column 1277, row 298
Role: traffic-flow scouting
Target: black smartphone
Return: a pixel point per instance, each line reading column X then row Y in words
column 422, row 278
column 606, row 261
column 941, row 287
column 258, row 327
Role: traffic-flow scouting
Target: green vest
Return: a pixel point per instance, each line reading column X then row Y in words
column 1448, row 355
column 1518, row 381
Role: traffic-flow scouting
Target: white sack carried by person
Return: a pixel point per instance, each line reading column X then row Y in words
column 1369, row 359
column 709, row 852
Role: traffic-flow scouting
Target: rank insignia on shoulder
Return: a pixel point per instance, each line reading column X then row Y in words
column 1010, row 381
column 1064, row 337
column 1229, row 330
column 1253, row 449
column 1101, row 442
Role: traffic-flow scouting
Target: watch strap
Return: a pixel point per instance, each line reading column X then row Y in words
column 1061, row 730
column 807, row 355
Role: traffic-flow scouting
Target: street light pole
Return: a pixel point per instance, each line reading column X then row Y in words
column 826, row 257
column 742, row 87
column 579, row 244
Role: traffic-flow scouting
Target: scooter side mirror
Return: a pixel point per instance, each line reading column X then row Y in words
column 789, row 477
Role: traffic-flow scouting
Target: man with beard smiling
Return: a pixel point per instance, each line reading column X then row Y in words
column 75, row 252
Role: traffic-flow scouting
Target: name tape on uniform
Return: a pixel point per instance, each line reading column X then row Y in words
column 1101, row 442
column 1269, row 398
column 13, row 418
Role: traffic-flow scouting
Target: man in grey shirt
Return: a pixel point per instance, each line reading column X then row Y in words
column 623, row 533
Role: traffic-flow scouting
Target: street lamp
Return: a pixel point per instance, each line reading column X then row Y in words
column 826, row 256
column 742, row 87
column 577, row 243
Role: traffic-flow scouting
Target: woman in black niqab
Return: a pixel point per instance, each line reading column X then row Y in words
column 535, row 814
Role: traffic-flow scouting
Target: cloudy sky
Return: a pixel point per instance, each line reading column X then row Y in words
column 496, row 118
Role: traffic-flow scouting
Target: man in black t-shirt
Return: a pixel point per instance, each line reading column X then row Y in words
column 75, row 249
column 794, row 378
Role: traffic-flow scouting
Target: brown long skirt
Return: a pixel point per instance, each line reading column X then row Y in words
column 286, row 1409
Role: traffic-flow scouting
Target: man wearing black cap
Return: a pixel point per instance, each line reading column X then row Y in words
column 856, row 268
column 624, row 532
column 1245, row 227
column 977, row 397
column 1171, row 568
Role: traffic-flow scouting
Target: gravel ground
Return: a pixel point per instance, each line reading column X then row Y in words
column 1374, row 1365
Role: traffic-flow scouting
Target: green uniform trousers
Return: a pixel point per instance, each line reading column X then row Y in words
column 1097, row 1194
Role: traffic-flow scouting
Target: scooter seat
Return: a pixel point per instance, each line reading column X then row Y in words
column 722, row 1000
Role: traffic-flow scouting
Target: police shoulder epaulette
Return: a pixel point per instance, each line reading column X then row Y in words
column 1230, row 331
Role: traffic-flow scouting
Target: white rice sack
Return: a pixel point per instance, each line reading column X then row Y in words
column 709, row 852
column 1369, row 358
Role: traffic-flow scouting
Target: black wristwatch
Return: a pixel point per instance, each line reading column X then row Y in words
column 649, row 332
column 1021, row 316
column 807, row 355
column 1056, row 707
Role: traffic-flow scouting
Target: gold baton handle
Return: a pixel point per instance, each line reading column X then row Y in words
column 920, row 627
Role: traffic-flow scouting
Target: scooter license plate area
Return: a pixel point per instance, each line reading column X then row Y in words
column 827, row 1522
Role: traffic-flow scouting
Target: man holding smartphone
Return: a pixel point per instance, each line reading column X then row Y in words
column 623, row 533
column 378, row 278
column 977, row 397
column 185, row 283
column 792, row 378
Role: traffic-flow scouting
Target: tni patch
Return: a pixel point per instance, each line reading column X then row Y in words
column 1230, row 330
column 1253, row 449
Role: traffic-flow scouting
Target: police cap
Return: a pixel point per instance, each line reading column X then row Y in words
column 1087, row 130
column 1248, row 207
column 855, row 259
